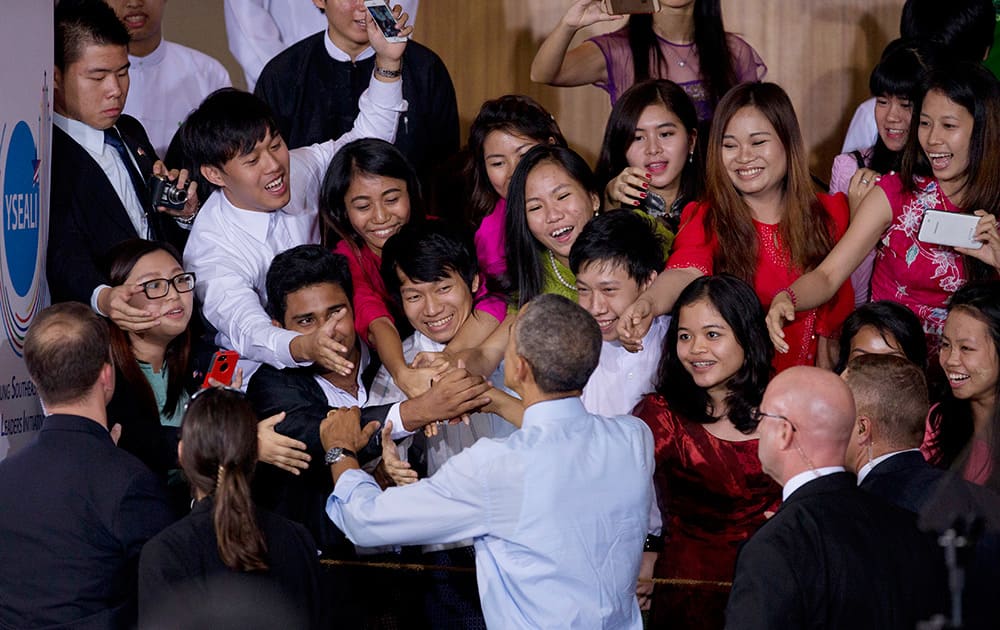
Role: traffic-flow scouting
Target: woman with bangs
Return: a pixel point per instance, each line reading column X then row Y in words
column 950, row 164
column 760, row 220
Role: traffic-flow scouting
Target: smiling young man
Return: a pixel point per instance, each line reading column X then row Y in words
column 101, row 161
column 265, row 203
column 615, row 258
column 168, row 80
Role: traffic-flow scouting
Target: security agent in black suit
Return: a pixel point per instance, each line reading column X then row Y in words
column 101, row 162
column 309, row 288
column 75, row 510
column 832, row 556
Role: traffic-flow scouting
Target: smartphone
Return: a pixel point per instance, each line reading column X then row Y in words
column 384, row 19
column 623, row 7
column 949, row 228
column 223, row 368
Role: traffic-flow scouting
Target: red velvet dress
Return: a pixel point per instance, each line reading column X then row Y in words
column 695, row 248
column 713, row 495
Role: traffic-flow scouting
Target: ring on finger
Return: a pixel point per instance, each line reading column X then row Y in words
column 864, row 181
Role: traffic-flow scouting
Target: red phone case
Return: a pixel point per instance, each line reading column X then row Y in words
column 223, row 367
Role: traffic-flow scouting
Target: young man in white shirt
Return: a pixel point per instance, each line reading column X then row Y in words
column 265, row 203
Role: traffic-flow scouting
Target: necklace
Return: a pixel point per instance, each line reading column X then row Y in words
column 681, row 61
column 555, row 270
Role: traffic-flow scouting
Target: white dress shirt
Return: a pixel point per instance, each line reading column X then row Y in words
column 260, row 29
column 622, row 377
column 168, row 84
column 558, row 511
column 805, row 477
column 863, row 131
column 231, row 249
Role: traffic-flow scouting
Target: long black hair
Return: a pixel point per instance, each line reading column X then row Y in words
column 737, row 302
column 890, row 319
column 715, row 63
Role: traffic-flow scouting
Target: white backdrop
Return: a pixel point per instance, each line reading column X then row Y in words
column 26, row 62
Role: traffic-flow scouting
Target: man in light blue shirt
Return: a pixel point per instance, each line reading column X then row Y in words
column 558, row 511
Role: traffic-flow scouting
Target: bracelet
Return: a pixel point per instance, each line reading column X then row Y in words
column 653, row 544
column 388, row 74
column 187, row 220
column 791, row 295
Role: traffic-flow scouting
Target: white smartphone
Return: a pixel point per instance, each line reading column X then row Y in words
column 949, row 228
column 624, row 7
column 384, row 19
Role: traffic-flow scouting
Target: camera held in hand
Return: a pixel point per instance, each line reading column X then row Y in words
column 164, row 193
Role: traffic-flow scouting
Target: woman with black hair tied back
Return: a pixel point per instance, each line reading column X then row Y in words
column 710, row 487
column 684, row 42
column 226, row 538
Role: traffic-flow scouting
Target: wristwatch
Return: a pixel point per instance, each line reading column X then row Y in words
column 337, row 453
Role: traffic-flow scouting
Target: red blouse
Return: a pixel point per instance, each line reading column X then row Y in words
column 694, row 248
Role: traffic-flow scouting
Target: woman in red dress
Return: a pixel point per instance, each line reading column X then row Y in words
column 710, row 487
column 760, row 221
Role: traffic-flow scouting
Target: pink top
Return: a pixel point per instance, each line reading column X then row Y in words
column 919, row 275
column 371, row 300
column 490, row 242
column 682, row 66
column 845, row 166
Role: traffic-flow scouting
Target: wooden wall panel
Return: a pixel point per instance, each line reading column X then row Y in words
column 821, row 51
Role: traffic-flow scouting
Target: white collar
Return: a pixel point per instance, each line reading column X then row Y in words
column 86, row 136
column 867, row 468
column 339, row 55
column 805, row 477
column 256, row 224
column 154, row 58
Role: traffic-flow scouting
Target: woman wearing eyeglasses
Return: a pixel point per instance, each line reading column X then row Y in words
column 154, row 375
column 710, row 488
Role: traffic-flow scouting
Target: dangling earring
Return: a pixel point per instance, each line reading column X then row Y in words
column 691, row 157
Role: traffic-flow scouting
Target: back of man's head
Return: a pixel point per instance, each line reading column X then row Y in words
column 624, row 239
column 560, row 341
column 963, row 28
column 81, row 23
column 65, row 349
column 892, row 393
column 300, row 267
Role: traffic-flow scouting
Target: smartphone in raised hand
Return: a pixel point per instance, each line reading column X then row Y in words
column 384, row 20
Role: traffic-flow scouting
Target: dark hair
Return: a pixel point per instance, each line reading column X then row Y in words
column 426, row 251
column 64, row 350
column 715, row 62
column 892, row 392
column 560, row 341
column 899, row 73
column 891, row 320
column 977, row 90
column 619, row 134
column 963, row 27
column 514, row 114
column 123, row 258
column 81, row 23
column 954, row 420
column 737, row 302
column 228, row 123
column 300, row 267
column 369, row 156
column 623, row 238
column 524, row 262
column 218, row 455
column 806, row 228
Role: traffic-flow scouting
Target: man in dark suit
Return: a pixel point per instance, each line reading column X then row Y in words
column 833, row 556
column 75, row 510
column 101, row 162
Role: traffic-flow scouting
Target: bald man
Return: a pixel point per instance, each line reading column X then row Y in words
column 832, row 556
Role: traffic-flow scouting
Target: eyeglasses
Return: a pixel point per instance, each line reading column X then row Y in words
column 759, row 415
column 159, row 287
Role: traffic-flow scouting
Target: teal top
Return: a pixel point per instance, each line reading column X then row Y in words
column 158, row 381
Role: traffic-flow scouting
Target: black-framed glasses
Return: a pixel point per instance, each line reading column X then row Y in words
column 759, row 415
column 159, row 287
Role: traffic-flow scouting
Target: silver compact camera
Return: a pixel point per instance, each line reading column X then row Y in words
column 165, row 193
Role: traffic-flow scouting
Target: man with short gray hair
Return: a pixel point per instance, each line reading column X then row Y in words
column 558, row 511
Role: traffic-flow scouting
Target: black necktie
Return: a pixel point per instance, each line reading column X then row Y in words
column 113, row 139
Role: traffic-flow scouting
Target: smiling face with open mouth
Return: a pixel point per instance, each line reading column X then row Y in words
column 660, row 146
column 968, row 356
column 557, row 208
column 945, row 132
column 258, row 180
column 437, row 309
column 175, row 308
column 892, row 117
column 707, row 346
column 377, row 206
column 753, row 155
column 144, row 21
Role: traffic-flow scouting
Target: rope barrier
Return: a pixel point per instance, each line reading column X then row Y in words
column 409, row 566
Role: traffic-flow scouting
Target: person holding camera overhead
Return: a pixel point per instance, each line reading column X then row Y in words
column 101, row 163
column 680, row 40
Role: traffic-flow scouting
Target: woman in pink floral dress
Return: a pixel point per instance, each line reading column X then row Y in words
column 950, row 163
